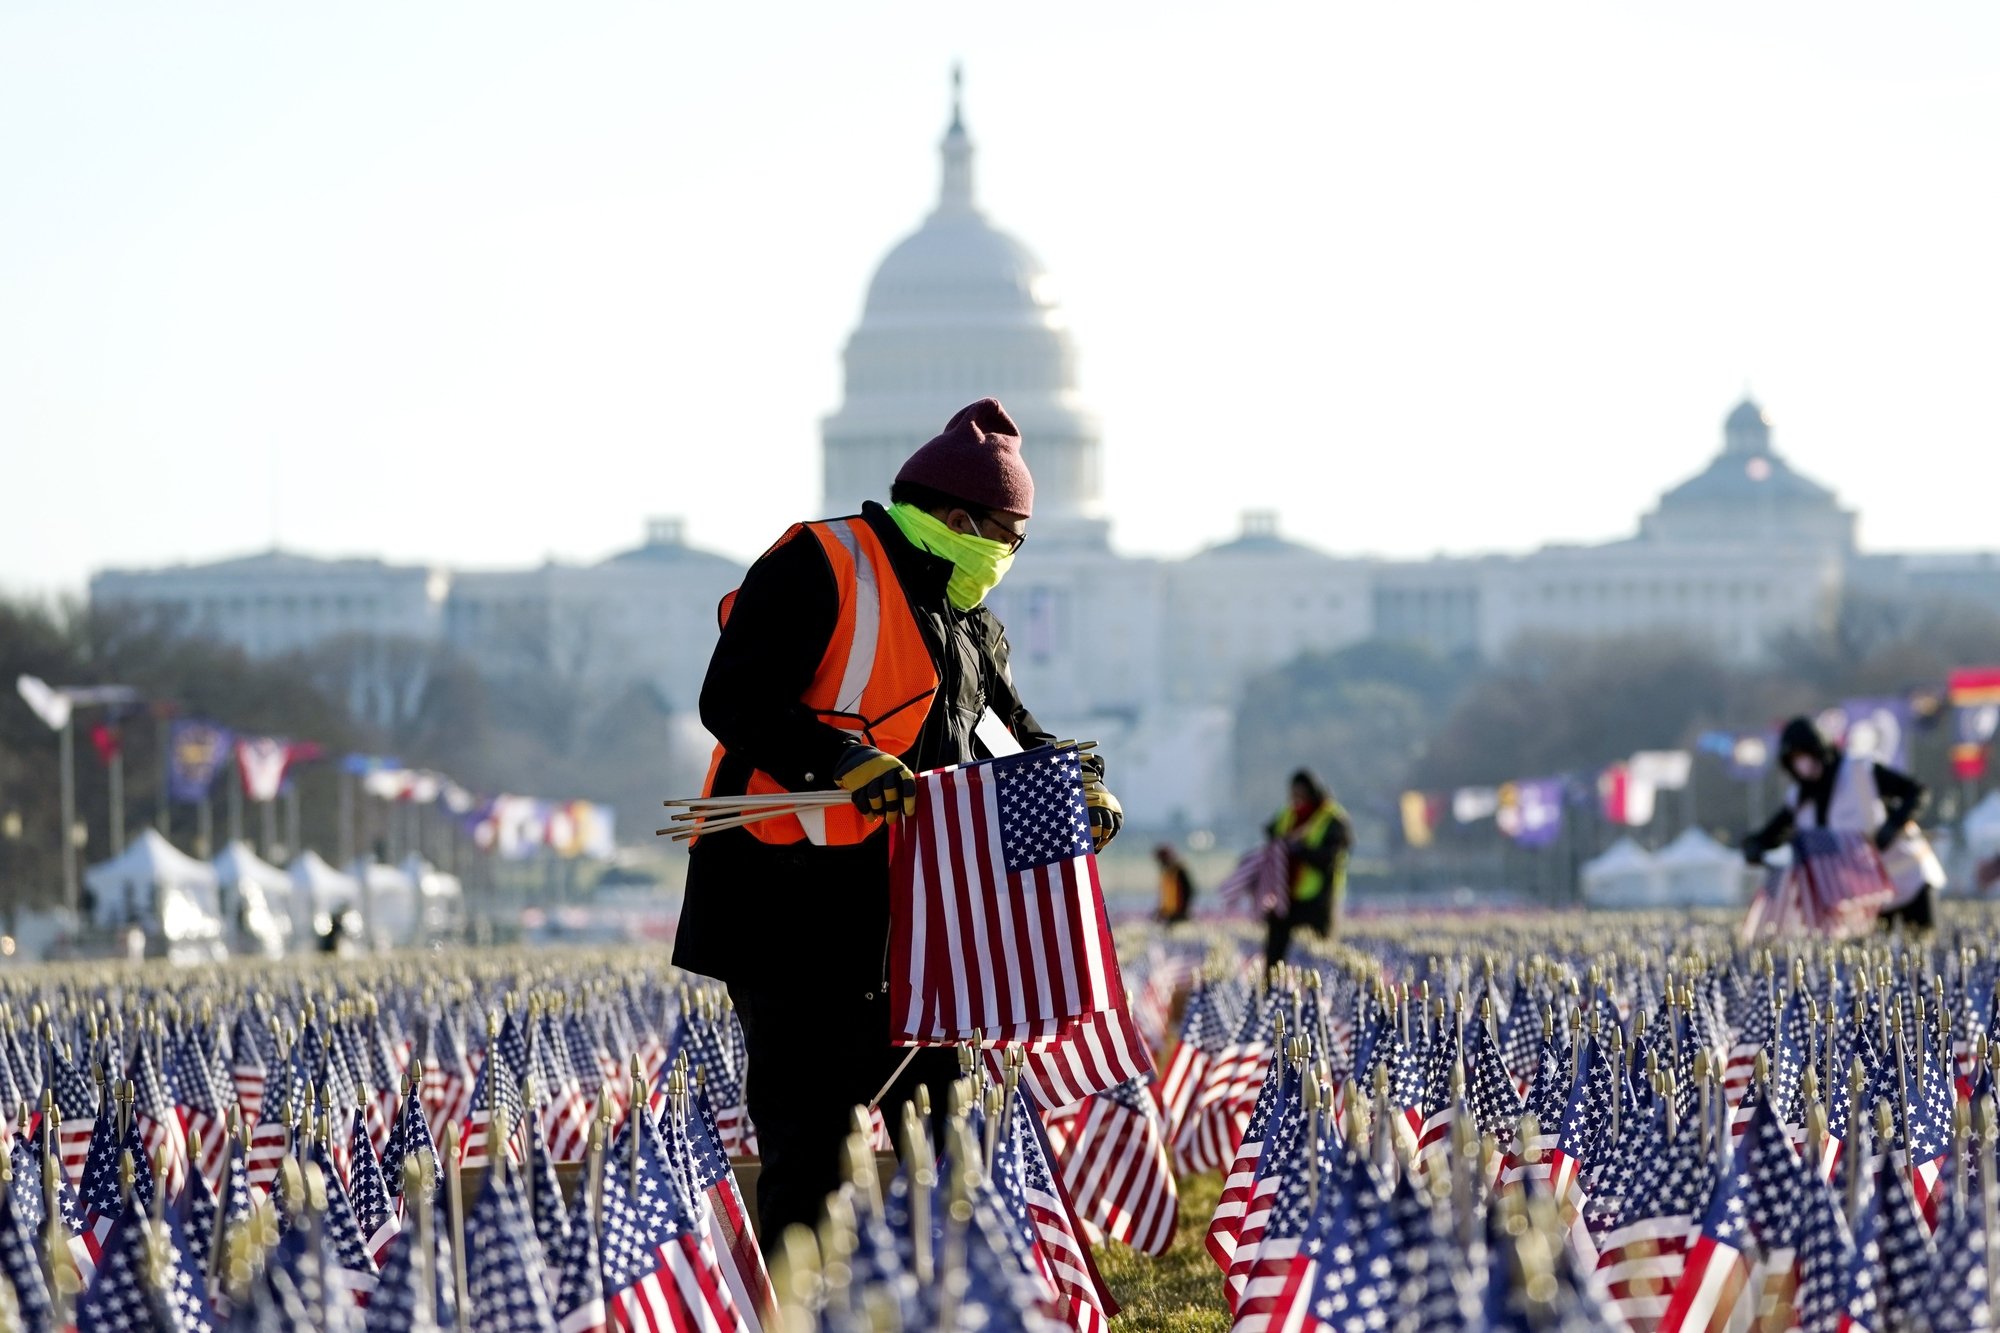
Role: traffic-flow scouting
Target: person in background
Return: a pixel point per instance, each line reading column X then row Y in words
column 1176, row 887
column 1830, row 790
column 858, row 652
column 1316, row 836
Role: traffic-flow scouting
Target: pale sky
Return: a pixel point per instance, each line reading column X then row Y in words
column 489, row 283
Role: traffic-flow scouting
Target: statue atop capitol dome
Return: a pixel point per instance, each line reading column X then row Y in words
column 960, row 310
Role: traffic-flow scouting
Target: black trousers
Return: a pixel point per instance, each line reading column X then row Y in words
column 1920, row 913
column 1315, row 914
column 811, row 1063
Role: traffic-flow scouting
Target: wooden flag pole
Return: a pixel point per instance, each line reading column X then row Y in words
column 454, row 1204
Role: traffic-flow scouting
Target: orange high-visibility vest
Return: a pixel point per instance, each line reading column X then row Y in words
column 876, row 677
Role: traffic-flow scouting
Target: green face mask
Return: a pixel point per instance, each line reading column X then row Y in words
column 977, row 563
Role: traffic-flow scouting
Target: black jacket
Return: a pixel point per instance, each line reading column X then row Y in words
column 795, row 918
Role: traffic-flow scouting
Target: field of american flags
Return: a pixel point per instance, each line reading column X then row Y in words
column 1521, row 1121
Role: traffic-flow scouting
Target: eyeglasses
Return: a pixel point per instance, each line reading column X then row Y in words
column 1001, row 532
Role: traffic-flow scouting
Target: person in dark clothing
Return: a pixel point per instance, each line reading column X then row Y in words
column 1316, row 835
column 857, row 652
column 1176, row 887
column 1833, row 791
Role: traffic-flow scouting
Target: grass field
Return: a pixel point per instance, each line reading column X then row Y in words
column 1179, row 1292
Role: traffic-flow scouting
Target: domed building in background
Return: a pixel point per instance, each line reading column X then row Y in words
column 958, row 311
column 1750, row 492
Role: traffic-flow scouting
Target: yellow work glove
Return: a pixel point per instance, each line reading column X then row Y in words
column 1106, row 815
column 881, row 784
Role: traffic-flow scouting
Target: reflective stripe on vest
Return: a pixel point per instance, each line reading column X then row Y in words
column 876, row 676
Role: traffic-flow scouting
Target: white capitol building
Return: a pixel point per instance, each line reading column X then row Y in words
column 1148, row 655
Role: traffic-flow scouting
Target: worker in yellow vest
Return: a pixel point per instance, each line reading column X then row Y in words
column 857, row 652
column 1316, row 838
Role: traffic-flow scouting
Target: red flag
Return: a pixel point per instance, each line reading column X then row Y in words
column 105, row 739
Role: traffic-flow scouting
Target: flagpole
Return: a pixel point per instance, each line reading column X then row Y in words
column 162, row 810
column 67, row 765
column 234, row 778
column 117, row 796
column 346, row 838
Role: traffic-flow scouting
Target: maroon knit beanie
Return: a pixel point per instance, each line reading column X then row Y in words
column 976, row 458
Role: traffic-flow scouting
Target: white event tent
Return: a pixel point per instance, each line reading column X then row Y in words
column 1626, row 875
column 1701, row 872
column 390, row 895
column 262, row 892
column 440, row 895
column 322, row 891
column 162, row 890
column 1982, row 827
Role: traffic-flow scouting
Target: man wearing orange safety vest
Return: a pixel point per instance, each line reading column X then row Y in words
column 857, row 652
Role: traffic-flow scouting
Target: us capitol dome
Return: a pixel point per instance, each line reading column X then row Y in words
column 957, row 311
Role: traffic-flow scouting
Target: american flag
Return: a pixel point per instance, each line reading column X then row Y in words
column 497, row 1085
column 1287, row 1148
column 202, row 1111
column 695, row 1149
column 566, row 1111
column 398, row 1296
column 1201, row 1040
column 101, row 1191
column 447, row 1088
column 410, row 1135
column 546, row 1209
column 20, row 1255
column 1280, row 1086
column 1641, row 1257
column 581, row 1304
column 1261, row 879
column 721, row 1085
column 76, row 1111
column 1022, row 1171
column 353, row 1272
column 999, row 924
column 1844, row 882
column 270, row 1141
column 161, row 1132
column 247, row 1067
column 593, row 1064
column 1521, row 1036
column 1002, row 1289
column 374, row 1211
column 1089, row 1055
column 384, row 1072
column 1116, row 1169
column 506, row 1288
column 1215, row 1123
column 1892, row 1231
column 1489, row 1087
column 657, row 1269
column 1754, row 1213
column 128, row 1293
column 1344, row 1275
column 1961, row 1300
column 1440, row 1101
column 1826, row 1267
